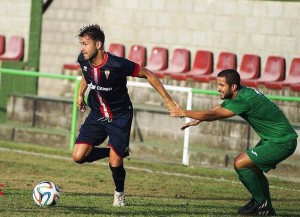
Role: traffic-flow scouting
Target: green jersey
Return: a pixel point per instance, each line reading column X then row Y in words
column 264, row 116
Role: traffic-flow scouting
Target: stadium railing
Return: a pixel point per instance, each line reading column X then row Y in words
column 54, row 76
column 189, row 91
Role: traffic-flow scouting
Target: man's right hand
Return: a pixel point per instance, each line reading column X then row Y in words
column 189, row 124
column 176, row 110
column 81, row 104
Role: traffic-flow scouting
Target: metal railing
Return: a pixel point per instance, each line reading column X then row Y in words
column 189, row 91
column 76, row 79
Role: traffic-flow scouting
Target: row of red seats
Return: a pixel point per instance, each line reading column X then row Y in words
column 274, row 76
column 14, row 51
column 202, row 69
column 179, row 67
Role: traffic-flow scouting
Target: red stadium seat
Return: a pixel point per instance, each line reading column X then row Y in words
column 2, row 44
column 180, row 62
column 71, row 66
column 295, row 87
column 274, row 71
column 15, row 49
column 226, row 60
column 138, row 54
column 250, row 66
column 292, row 78
column 117, row 49
column 158, row 59
column 203, row 64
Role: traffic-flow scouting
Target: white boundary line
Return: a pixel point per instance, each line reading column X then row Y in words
column 139, row 169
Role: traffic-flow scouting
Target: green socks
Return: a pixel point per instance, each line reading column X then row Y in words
column 251, row 181
column 264, row 185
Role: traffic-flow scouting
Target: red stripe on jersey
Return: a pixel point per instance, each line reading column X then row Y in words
column 106, row 109
column 103, row 106
column 136, row 70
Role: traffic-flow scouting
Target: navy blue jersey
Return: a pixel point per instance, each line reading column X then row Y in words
column 108, row 94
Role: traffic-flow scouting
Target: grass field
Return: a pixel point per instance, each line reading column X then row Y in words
column 152, row 189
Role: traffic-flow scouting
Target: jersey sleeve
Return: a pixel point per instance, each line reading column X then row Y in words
column 136, row 70
column 237, row 106
column 130, row 68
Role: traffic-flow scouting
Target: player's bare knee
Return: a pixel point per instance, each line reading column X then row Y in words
column 77, row 158
column 237, row 163
column 115, row 160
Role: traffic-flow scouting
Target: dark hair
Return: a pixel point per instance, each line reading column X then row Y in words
column 231, row 76
column 94, row 31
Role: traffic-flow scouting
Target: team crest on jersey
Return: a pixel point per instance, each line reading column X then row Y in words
column 106, row 72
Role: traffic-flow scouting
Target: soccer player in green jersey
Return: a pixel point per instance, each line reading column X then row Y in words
column 278, row 139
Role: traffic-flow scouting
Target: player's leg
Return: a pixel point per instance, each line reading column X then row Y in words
column 88, row 153
column 264, row 183
column 119, row 135
column 91, row 134
column 244, row 167
column 119, row 174
column 80, row 151
column 263, row 157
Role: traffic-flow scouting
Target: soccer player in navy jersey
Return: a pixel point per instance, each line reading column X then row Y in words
column 111, row 108
column 278, row 137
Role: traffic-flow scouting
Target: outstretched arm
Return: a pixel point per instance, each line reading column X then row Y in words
column 215, row 113
column 157, row 85
column 193, row 122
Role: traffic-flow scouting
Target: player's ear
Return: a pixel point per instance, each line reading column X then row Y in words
column 234, row 87
column 98, row 45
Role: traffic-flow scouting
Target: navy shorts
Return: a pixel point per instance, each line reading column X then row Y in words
column 95, row 130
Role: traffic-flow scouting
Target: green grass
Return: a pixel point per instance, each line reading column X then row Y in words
column 152, row 189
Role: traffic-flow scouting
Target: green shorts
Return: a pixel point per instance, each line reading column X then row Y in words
column 266, row 155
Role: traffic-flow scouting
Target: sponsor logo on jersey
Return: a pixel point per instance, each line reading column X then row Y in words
column 96, row 87
column 106, row 72
column 84, row 68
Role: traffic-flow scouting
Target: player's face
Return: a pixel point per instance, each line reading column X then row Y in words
column 88, row 48
column 224, row 89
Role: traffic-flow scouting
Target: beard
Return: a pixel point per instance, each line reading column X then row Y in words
column 228, row 95
column 92, row 56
